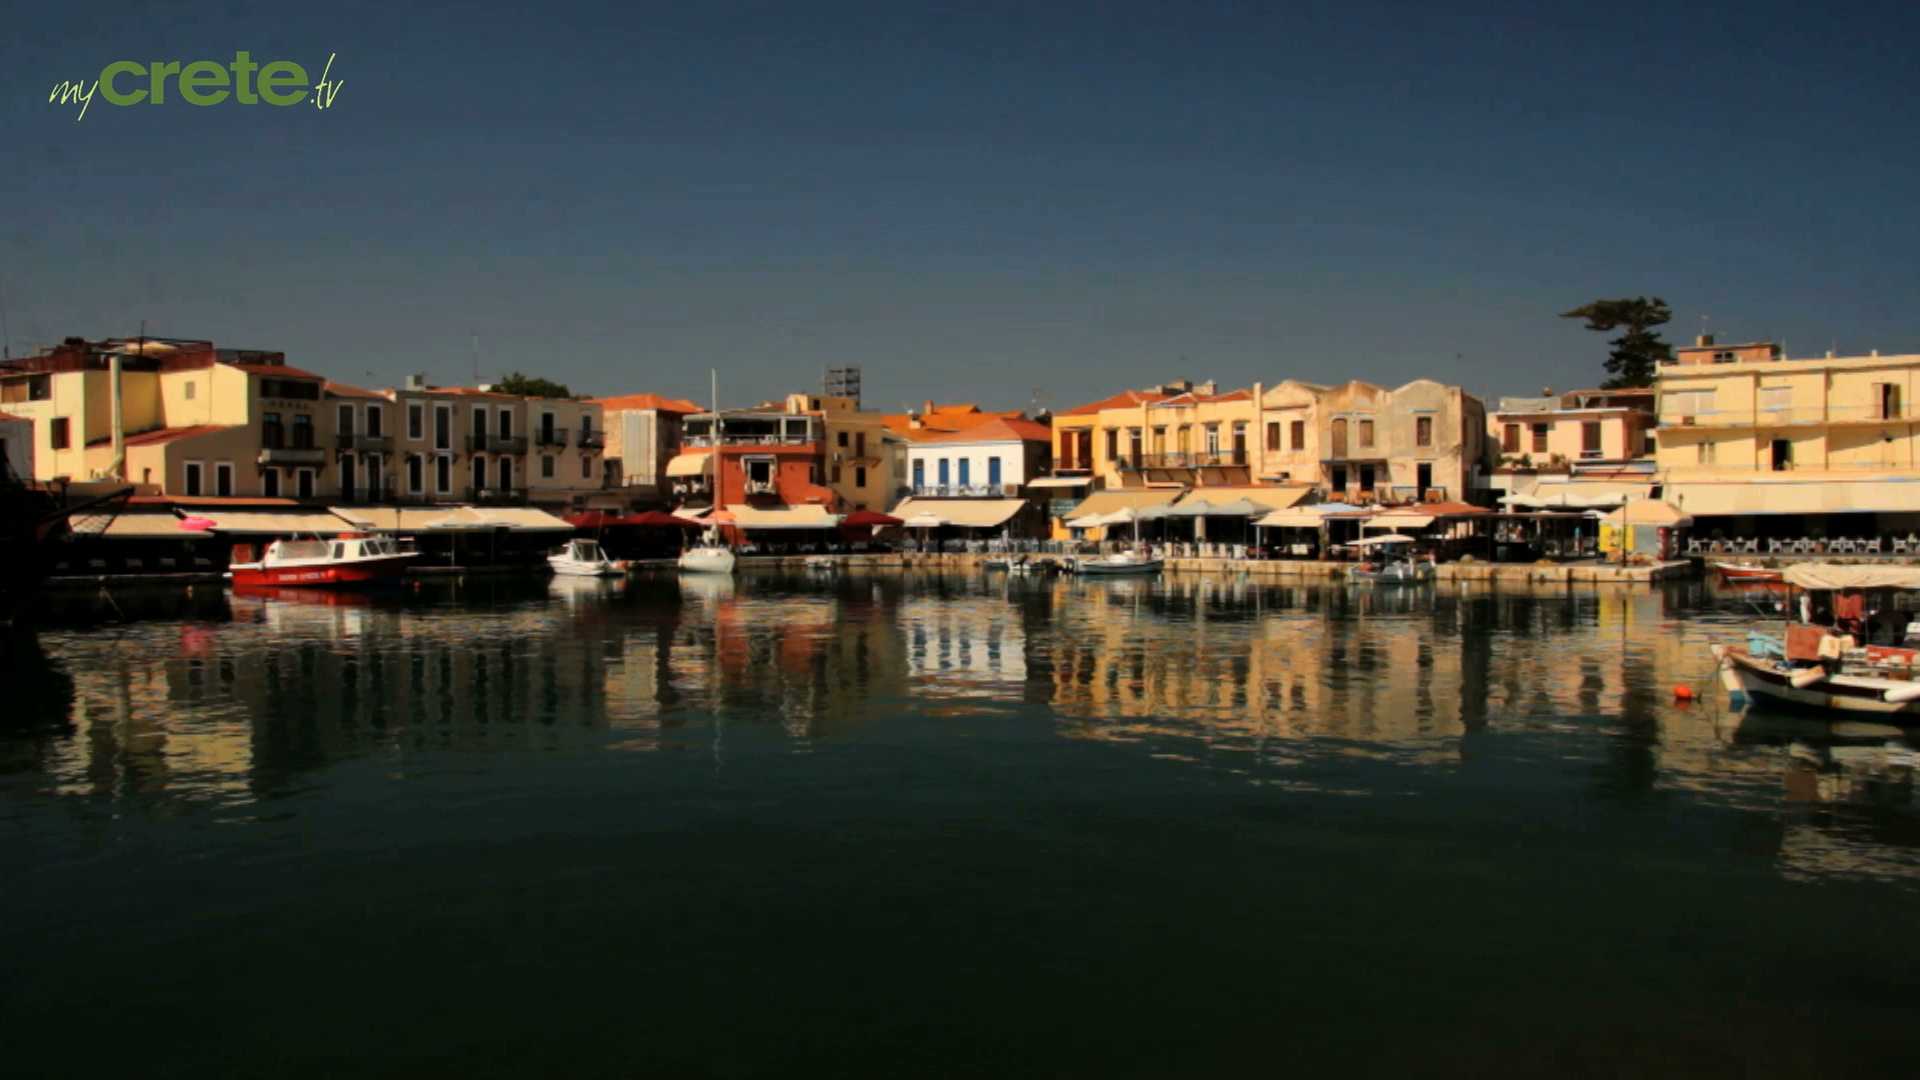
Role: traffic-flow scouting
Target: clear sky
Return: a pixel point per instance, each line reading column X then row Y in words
column 973, row 201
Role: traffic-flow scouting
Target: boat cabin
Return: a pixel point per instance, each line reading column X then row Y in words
column 341, row 548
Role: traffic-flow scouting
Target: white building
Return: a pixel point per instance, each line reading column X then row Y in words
column 976, row 479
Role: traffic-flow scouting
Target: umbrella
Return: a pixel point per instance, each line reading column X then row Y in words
column 592, row 519
column 197, row 524
column 1390, row 538
column 655, row 519
column 1190, row 508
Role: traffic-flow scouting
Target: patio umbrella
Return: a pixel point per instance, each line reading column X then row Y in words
column 592, row 519
column 869, row 518
column 655, row 519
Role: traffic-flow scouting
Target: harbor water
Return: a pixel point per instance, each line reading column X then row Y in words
column 916, row 824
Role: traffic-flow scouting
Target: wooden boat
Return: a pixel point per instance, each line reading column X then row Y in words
column 1746, row 574
column 1876, row 680
column 585, row 558
column 347, row 559
column 1389, row 560
column 1125, row 562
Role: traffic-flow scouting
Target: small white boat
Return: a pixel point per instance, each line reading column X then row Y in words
column 584, row 558
column 821, row 562
column 1390, row 561
column 709, row 558
column 1124, row 562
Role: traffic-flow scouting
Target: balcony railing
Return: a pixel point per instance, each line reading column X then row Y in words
column 1073, row 465
column 749, row 440
column 1186, row 460
column 371, row 493
column 1892, row 413
column 592, row 440
column 556, row 437
column 762, row 487
column 364, row 444
column 497, row 444
column 691, row 485
column 496, row 496
column 960, row 491
column 287, row 455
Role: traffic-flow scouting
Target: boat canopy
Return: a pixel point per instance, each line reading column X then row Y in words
column 1842, row 576
column 1390, row 538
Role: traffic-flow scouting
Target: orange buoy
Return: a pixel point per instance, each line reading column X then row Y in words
column 1683, row 692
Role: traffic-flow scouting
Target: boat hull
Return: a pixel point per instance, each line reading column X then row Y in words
column 707, row 561
column 1764, row 684
column 323, row 575
column 577, row 568
column 1747, row 575
column 1099, row 568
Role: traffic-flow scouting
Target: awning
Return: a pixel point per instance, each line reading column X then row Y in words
column 1390, row 538
column 1312, row 517
column 1238, row 508
column 1828, row 496
column 134, row 527
column 1399, row 521
column 1837, row 576
column 1580, row 494
column 1106, row 502
column 1060, row 482
column 1190, row 508
column 690, row 465
column 312, row 521
column 785, row 517
column 966, row 513
column 456, row 519
column 1265, row 497
column 1648, row 512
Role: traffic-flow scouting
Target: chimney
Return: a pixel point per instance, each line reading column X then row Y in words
column 416, row 382
column 926, row 409
column 1704, row 340
column 119, row 466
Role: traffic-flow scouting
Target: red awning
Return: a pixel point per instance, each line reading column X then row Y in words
column 655, row 519
column 869, row 518
column 593, row 519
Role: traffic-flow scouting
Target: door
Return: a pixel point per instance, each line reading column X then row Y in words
column 479, row 474
column 1339, row 484
column 1423, row 478
column 1590, row 438
column 506, row 474
column 347, row 479
column 1366, row 478
column 1782, row 455
column 1340, row 439
column 966, row 472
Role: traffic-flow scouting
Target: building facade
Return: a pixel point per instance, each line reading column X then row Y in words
column 644, row 433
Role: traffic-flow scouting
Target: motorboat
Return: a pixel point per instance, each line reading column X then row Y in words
column 821, row 562
column 585, row 558
column 1817, row 666
column 710, row 557
column 1123, row 562
column 1746, row 574
column 1389, row 560
column 347, row 559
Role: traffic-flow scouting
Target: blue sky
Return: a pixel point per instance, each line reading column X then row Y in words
column 985, row 201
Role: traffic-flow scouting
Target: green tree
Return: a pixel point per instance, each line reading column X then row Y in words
column 528, row 386
column 1638, row 353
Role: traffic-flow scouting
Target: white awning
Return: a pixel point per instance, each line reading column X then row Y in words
column 1060, row 482
column 784, row 517
column 966, row 513
column 1842, row 576
column 1312, row 517
column 690, row 465
column 1106, row 502
column 312, row 521
column 1399, row 521
column 1826, row 496
column 443, row 519
column 133, row 527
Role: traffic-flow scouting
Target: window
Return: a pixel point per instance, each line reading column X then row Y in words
column 586, row 423
column 1703, row 453
column 480, row 422
column 1423, row 478
column 813, row 474
column 302, row 431
column 1273, row 435
column 416, row 474
column 270, row 483
column 59, row 433
column 1776, row 398
column 1510, row 439
column 586, row 466
column 223, row 478
column 290, row 389
column 1423, row 431
column 375, row 422
column 1299, row 434
column 1690, row 403
column 1213, row 439
column 193, row 478
column 1113, row 443
column 841, row 440
column 303, row 483
column 1366, row 435
column 860, row 476
column 859, row 444
column 273, row 435
column 546, row 426
column 506, row 423
column 833, row 475
column 443, row 430
column 1340, row 444
column 1183, row 437
column 345, row 423
column 416, row 420
column 188, row 390
column 39, row 388
column 375, row 482
column 993, row 471
column 1540, row 438
column 546, row 466
column 1886, row 401
column 966, row 471
column 477, row 472
column 1782, row 455
column 443, row 475
column 1590, row 438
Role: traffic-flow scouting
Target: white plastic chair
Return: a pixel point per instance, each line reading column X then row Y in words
column 1902, row 547
column 1870, row 547
column 1750, row 547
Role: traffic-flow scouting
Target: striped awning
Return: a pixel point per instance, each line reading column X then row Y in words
column 690, row 465
column 966, row 513
column 783, row 517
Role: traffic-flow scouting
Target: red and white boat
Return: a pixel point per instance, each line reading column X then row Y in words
column 1746, row 574
column 347, row 559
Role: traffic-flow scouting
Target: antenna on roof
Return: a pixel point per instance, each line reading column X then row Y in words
column 6, row 338
column 476, row 359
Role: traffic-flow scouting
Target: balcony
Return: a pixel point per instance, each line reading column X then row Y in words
column 1189, row 460
column 556, row 438
column 1073, row 465
column 497, row 444
column 371, row 493
column 745, row 440
column 363, row 444
column 691, row 485
column 960, row 491
column 497, row 496
column 289, row 455
column 592, row 440
column 762, row 487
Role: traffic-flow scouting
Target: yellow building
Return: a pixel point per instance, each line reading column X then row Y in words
column 1746, row 430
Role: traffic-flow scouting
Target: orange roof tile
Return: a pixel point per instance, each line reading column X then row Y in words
column 278, row 371
column 340, row 389
column 646, row 401
column 162, row 435
column 1119, row 400
column 997, row 429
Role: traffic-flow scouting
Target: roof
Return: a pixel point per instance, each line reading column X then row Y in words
column 17, row 419
column 340, row 389
column 944, row 419
column 305, row 521
column 163, row 435
column 996, row 429
column 1191, row 398
column 966, row 513
column 646, row 401
column 450, row 519
column 1118, row 401
column 278, row 371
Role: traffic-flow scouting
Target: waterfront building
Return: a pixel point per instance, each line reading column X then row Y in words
column 766, row 466
column 644, row 433
column 933, row 418
column 1420, row 442
column 1581, row 450
column 476, row 445
column 978, row 477
column 1754, row 441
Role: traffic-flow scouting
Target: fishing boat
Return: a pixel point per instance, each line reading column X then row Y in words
column 1746, row 574
column 1123, row 562
column 585, row 558
column 1815, row 666
column 1389, row 560
column 708, row 558
column 347, row 559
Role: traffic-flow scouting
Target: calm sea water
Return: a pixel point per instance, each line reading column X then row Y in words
column 948, row 826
